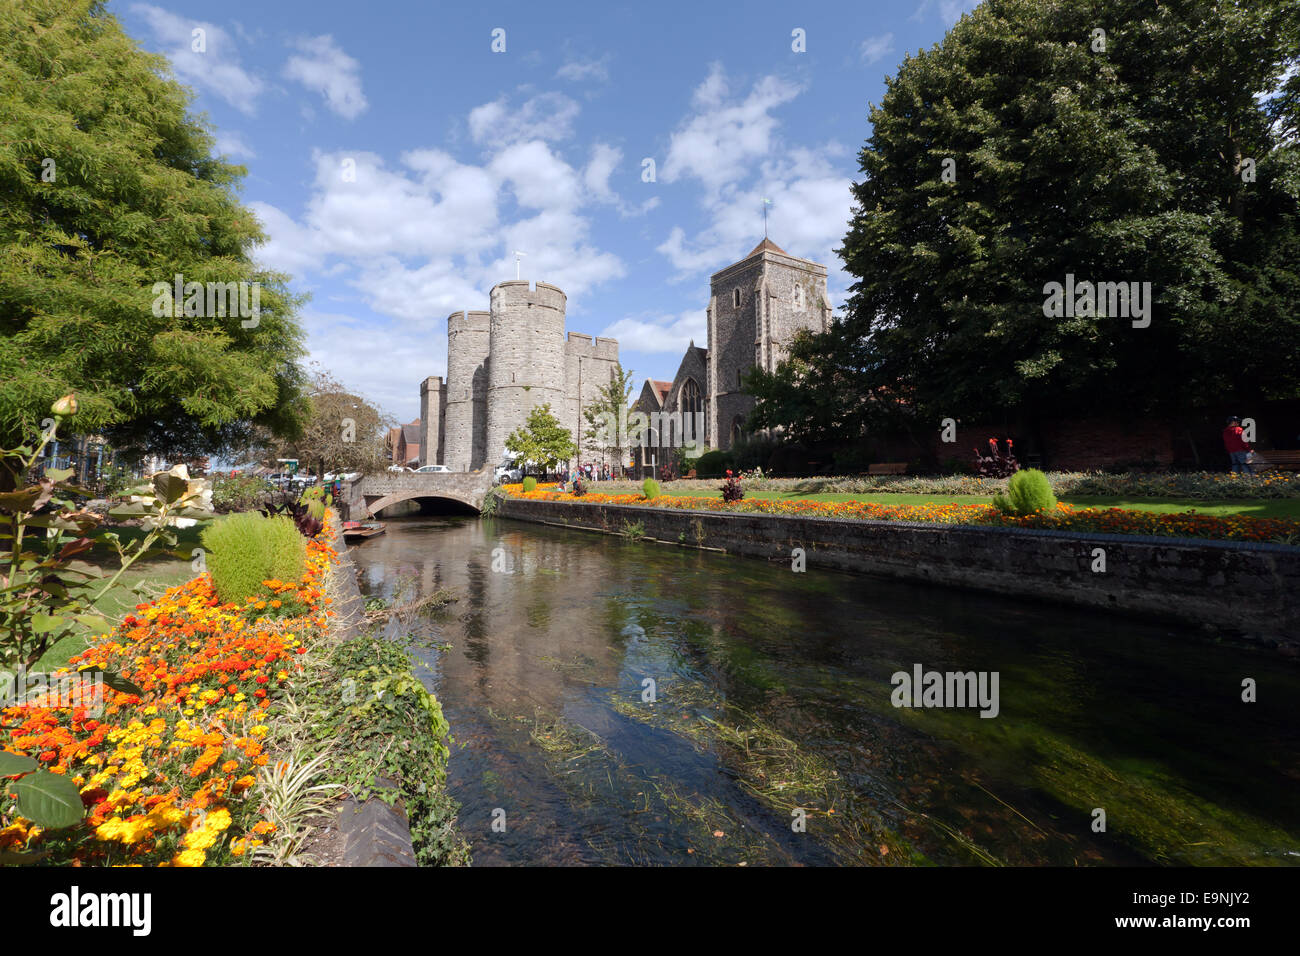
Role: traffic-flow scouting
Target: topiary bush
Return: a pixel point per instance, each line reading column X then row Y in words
column 650, row 488
column 530, row 483
column 1028, row 492
column 712, row 464
column 243, row 550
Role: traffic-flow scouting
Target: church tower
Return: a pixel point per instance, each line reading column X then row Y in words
column 755, row 308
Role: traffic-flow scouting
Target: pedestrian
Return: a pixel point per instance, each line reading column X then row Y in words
column 1236, row 447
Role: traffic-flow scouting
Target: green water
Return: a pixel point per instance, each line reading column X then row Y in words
column 771, row 737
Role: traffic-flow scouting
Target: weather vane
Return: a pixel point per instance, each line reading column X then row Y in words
column 518, row 255
column 766, row 202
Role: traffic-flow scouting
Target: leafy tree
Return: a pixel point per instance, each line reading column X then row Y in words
column 344, row 431
column 611, row 399
column 1115, row 158
column 108, row 187
column 542, row 440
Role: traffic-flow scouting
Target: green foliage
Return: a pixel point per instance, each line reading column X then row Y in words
column 602, row 414
column 1117, row 165
column 530, row 483
column 650, row 488
column 491, row 501
column 389, row 726
column 712, row 464
column 240, row 492
column 1028, row 492
column 543, row 440
column 243, row 550
column 634, row 529
column 133, row 198
column 43, row 599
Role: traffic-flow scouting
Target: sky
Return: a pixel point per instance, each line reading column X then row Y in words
column 397, row 161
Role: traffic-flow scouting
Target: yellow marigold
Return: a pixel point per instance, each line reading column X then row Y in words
column 189, row 858
column 200, row 839
column 218, row 820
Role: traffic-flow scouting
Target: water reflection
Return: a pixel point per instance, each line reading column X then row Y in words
column 772, row 700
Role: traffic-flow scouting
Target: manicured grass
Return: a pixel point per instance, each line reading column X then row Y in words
column 1252, row 508
column 153, row 576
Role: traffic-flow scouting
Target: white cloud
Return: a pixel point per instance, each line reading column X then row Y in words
column 718, row 144
column 429, row 237
column 546, row 116
column 580, row 70
column 232, row 144
column 361, row 355
column 877, row 48
column 215, row 69
column 810, row 193
column 660, row 334
column 949, row 11
column 323, row 67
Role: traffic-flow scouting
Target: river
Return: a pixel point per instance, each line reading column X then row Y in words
column 615, row 701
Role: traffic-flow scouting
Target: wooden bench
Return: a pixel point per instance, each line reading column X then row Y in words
column 1283, row 460
column 888, row 468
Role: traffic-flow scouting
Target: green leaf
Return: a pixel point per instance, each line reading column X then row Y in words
column 133, row 509
column 114, row 680
column 14, row 764
column 59, row 474
column 44, row 623
column 169, row 487
column 97, row 623
column 49, row 800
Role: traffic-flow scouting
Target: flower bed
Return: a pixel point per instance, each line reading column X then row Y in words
column 169, row 777
column 1064, row 518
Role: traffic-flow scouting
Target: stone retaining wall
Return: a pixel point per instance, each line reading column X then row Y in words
column 1236, row 587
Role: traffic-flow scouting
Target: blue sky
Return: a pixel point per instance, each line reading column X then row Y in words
column 397, row 162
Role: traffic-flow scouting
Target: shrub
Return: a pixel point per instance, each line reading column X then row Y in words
column 996, row 464
column 530, row 484
column 240, row 493
column 243, row 550
column 1028, row 492
column 712, row 464
column 732, row 491
column 650, row 488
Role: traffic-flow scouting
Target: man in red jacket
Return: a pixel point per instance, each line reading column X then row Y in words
column 1236, row 446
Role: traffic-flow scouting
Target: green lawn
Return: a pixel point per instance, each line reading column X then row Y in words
column 154, row 576
column 1250, row 507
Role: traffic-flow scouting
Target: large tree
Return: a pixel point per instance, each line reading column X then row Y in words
column 609, row 406
column 108, row 187
column 1115, row 156
column 344, row 431
column 542, row 440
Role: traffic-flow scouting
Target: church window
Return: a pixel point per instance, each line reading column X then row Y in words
column 799, row 302
column 735, row 298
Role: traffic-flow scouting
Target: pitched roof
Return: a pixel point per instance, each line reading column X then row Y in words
column 411, row 433
column 663, row 388
column 767, row 245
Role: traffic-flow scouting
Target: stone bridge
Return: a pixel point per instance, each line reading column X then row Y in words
column 370, row 494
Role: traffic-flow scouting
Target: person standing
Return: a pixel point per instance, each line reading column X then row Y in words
column 1236, row 447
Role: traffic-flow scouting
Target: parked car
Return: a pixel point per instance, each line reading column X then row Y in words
column 432, row 470
column 398, row 468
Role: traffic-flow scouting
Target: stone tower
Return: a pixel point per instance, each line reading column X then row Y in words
column 527, row 366
column 433, row 418
column 755, row 307
column 468, row 347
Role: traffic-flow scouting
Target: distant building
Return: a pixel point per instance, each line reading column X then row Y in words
column 503, row 363
column 404, row 444
column 755, row 308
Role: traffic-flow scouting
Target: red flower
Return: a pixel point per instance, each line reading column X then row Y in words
column 262, row 678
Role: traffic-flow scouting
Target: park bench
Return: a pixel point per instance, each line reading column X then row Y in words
column 888, row 468
column 1276, row 458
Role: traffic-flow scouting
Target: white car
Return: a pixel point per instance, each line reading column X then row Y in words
column 398, row 468
column 432, row 470
column 509, row 474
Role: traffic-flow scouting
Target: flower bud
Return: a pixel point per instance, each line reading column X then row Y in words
column 65, row 406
